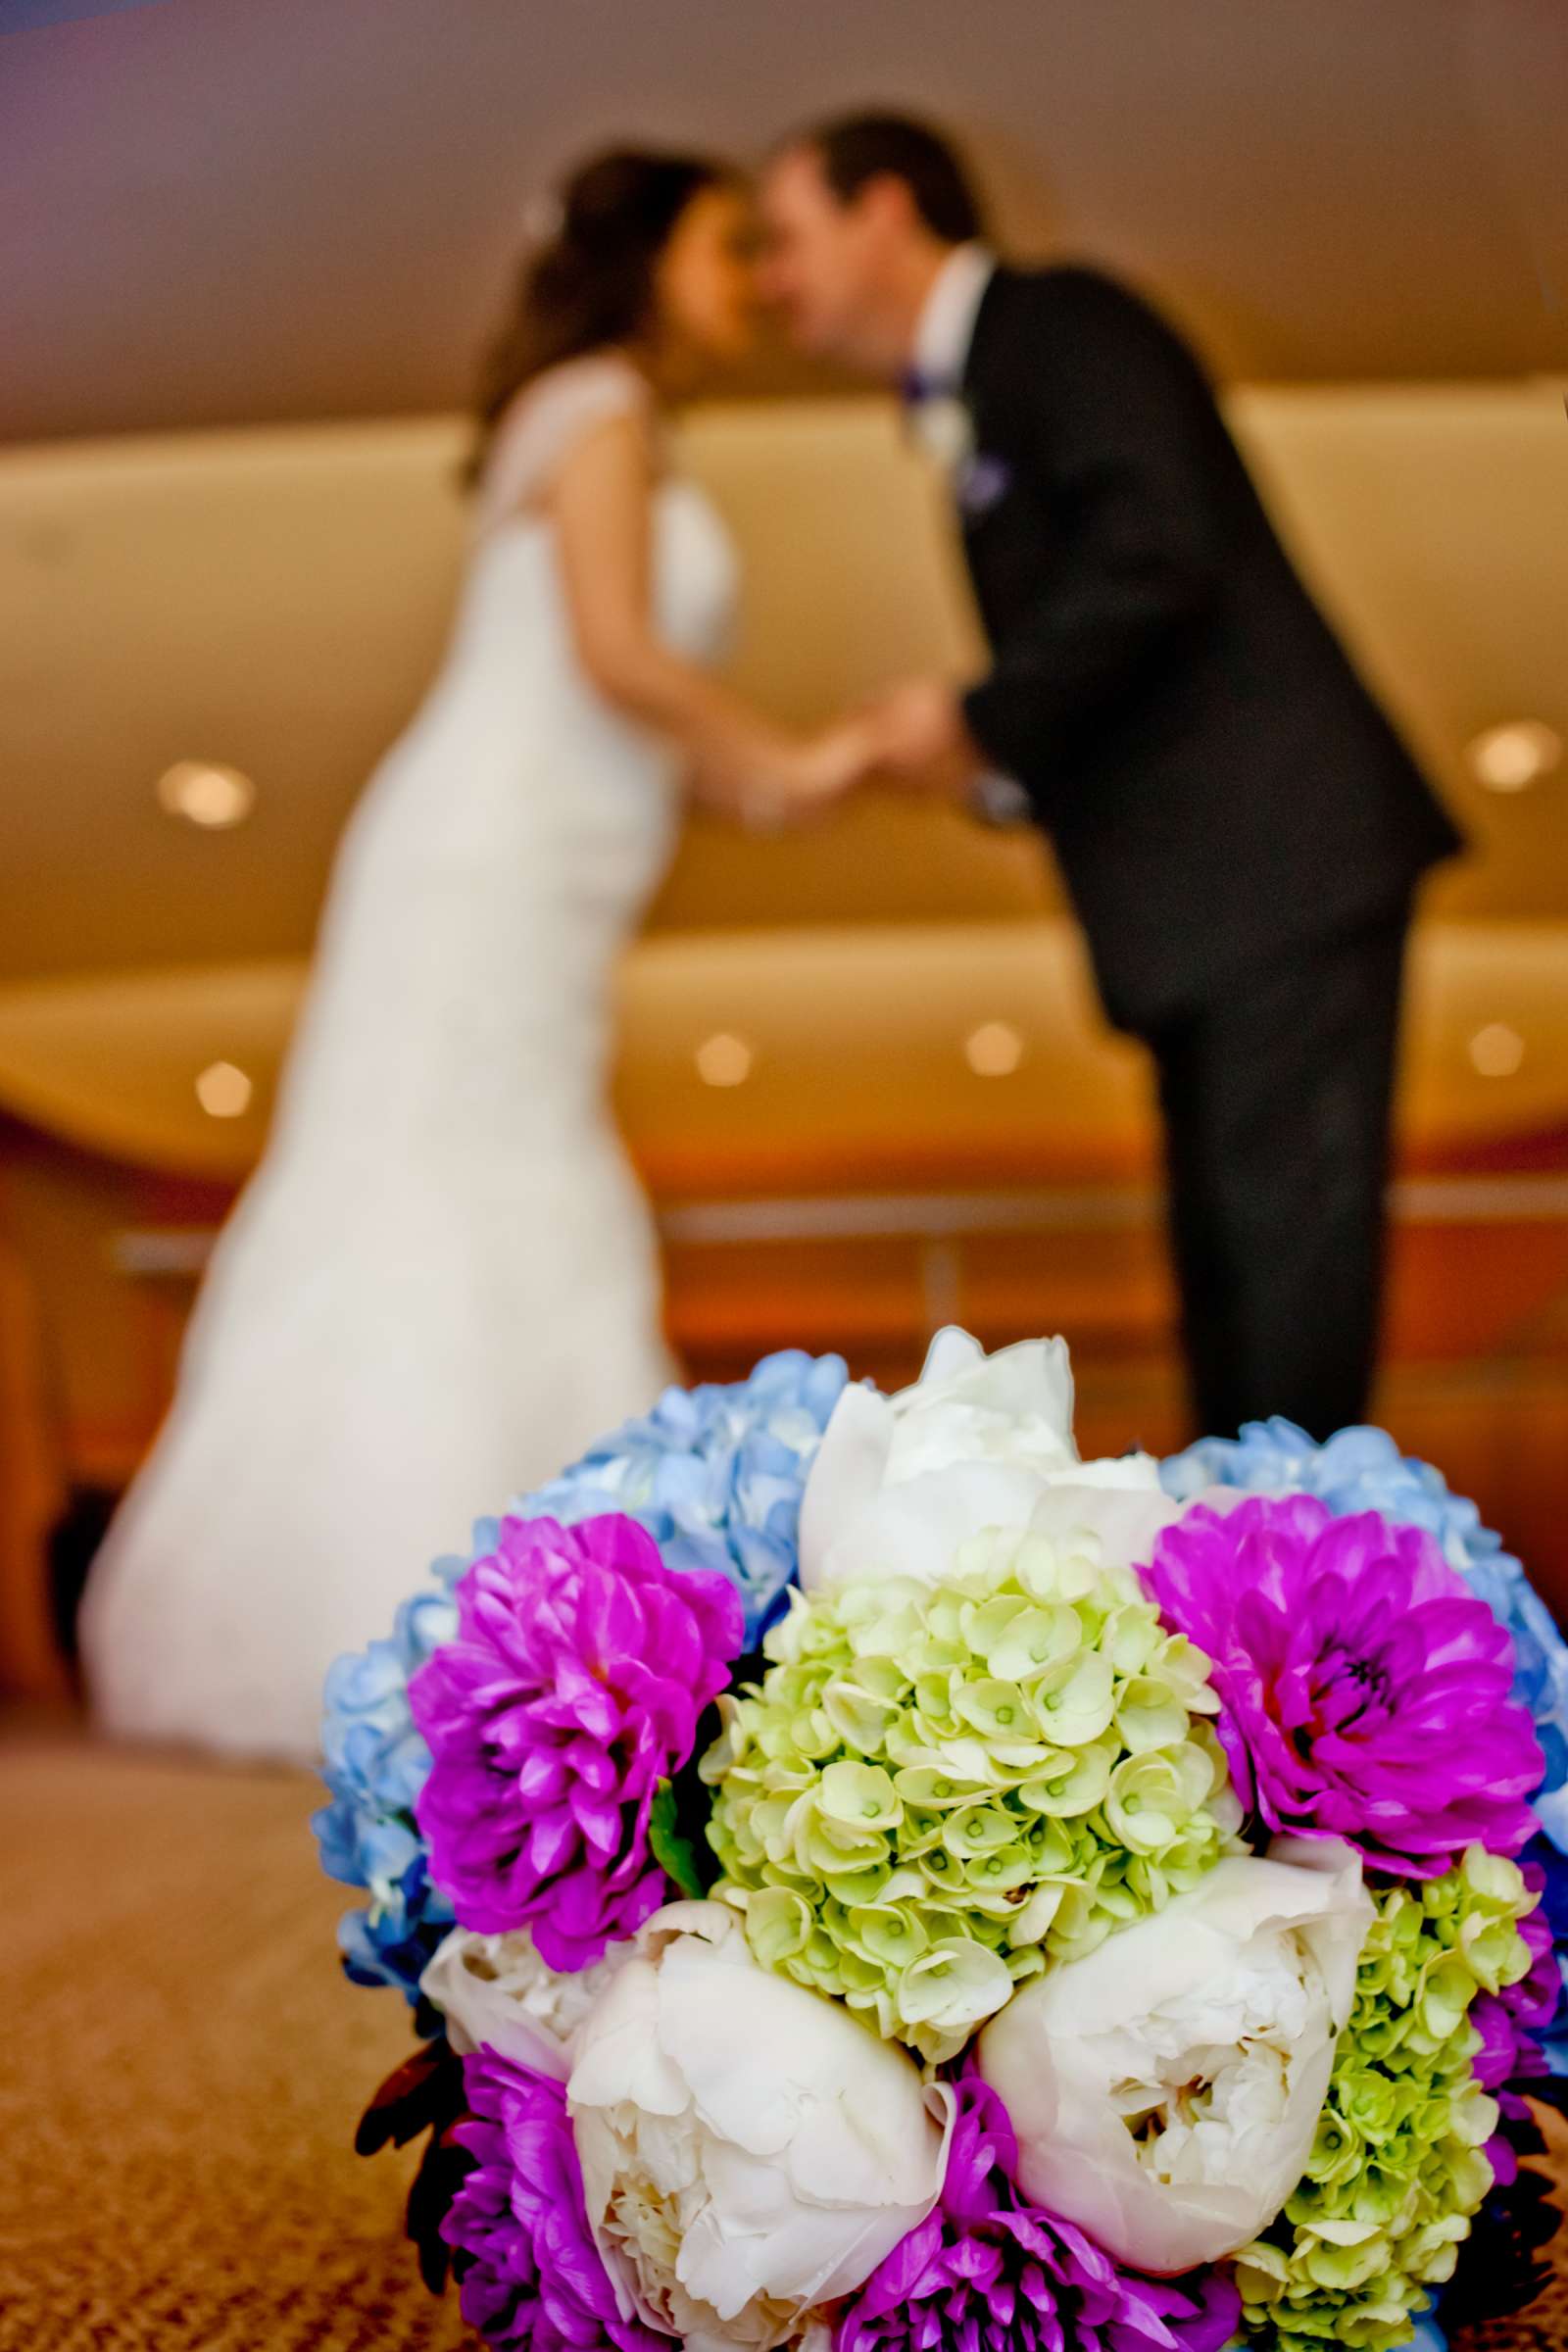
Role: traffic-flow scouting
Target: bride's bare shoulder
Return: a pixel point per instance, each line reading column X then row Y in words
column 595, row 382
column 552, row 412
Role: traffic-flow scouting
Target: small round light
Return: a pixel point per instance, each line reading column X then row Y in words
column 994, row 1049
column 205, row 794
column 724, row 1060
column 1510, row 759
column 1496, row 1051
column 224, row 1091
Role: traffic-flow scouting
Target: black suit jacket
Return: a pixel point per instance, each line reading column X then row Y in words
column 1215, row 777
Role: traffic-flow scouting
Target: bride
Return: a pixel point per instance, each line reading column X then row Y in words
column 442, row 1282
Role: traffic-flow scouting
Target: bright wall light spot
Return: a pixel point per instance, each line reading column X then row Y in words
column 1496, row 1051
column 994, row 1049
column 724, row 1060
column 205, row 794
column 1509, row 758
column 224, row 1091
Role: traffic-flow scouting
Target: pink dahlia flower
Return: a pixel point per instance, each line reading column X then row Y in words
column 1364, row 1689
column 572, row 1688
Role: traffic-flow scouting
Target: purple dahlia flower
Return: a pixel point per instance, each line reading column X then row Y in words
column 571, row 1689
column 1365, row 1691
column 527, row 2267
column 1511, row 2023
column 988, row 2274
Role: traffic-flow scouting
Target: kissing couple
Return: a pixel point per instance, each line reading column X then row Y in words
column 442, row 1281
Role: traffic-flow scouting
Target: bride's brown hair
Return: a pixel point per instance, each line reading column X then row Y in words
column 591, row 285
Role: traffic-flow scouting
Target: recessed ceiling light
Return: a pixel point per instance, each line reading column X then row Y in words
column 1496, row 1051
column 205, row 794
column 994, row 1049
column 224, row 1091
column 724, row 1060
column 1509, row 758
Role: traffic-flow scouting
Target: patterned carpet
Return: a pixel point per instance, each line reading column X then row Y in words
column 184, row 2068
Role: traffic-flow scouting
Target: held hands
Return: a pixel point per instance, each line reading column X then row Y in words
column 790, row 780
column 912, row 735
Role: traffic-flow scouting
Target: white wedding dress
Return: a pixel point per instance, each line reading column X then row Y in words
column 441, row 1282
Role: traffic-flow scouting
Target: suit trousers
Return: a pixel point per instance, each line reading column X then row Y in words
column 1276, row 1098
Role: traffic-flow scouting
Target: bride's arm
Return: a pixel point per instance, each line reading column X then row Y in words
column 601, row 500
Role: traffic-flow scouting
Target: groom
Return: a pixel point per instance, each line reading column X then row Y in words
column 1239, row 826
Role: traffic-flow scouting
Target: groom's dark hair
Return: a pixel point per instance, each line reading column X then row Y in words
column 856, row 149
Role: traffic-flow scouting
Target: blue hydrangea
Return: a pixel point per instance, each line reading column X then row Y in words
column 375, row 1765
column 393, row 1942
column 715, row 1474
column 1363, row 1470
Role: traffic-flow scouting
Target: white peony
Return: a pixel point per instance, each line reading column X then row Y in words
column 749, row 2149
column 901, row 1483
column 496, row 1990
column 1166, row 2091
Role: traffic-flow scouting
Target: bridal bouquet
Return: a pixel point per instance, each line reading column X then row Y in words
column 866, row 1878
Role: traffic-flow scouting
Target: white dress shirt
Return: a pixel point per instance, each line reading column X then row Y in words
column 946, row 328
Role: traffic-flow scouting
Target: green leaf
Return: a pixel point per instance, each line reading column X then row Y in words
column 676, row 1854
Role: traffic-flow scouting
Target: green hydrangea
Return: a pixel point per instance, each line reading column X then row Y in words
column 1397, row 2168
column 934, row 1793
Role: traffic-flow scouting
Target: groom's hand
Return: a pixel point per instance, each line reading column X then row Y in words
column 921, row 739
